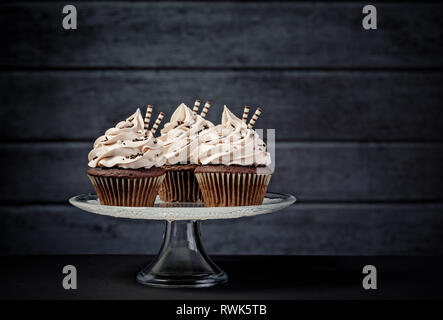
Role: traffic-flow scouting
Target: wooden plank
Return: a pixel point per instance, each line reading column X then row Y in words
column 307, row 106
column 53, row 172
column 222, row 34
column 379, row 229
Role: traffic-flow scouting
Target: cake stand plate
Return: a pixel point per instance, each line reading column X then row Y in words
column 182, row 261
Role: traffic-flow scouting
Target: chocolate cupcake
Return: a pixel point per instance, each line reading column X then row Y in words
column 126, row 163
column 180, row 141
column 234, row 163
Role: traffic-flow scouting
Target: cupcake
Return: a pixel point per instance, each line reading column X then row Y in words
column 125, row 163
column 234, row 163
column 180, row 141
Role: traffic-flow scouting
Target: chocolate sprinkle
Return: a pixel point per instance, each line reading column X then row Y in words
column 133, row 156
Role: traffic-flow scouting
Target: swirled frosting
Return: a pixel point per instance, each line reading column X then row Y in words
column 180, row 136
column 126, row 146
column 232, row 143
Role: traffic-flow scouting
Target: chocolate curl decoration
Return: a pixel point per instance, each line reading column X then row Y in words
column 205, row 109
column 245, row 113
column 148, row 118
column 157, row 122
column 254, row 118
column 196, row 106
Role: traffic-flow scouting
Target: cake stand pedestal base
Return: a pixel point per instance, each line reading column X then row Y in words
column 182, row 261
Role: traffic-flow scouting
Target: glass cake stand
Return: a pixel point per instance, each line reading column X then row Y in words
column 182, row 261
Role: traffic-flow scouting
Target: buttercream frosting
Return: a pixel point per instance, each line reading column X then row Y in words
column 126, row 146
column 180, row 136
column 232, row 143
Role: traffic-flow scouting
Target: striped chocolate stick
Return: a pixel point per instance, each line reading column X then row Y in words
column 245, row 113
column 205, row 109
column 148, row 118
column 196, row 106
column 157, row 122
column 254, row 118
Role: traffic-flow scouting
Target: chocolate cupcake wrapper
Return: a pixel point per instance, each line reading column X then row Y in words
column 232, row 189
column 128, row 192
column 180, row 186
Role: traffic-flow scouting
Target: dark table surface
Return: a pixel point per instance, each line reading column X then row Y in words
column 250, row 277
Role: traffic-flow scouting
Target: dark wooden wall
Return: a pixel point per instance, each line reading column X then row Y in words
column 358, row 117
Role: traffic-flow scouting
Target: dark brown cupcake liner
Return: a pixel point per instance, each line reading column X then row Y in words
column 180, row 186
column 128, row 192
column 226, row 189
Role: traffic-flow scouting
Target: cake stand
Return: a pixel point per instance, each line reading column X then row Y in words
column 182, row 261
